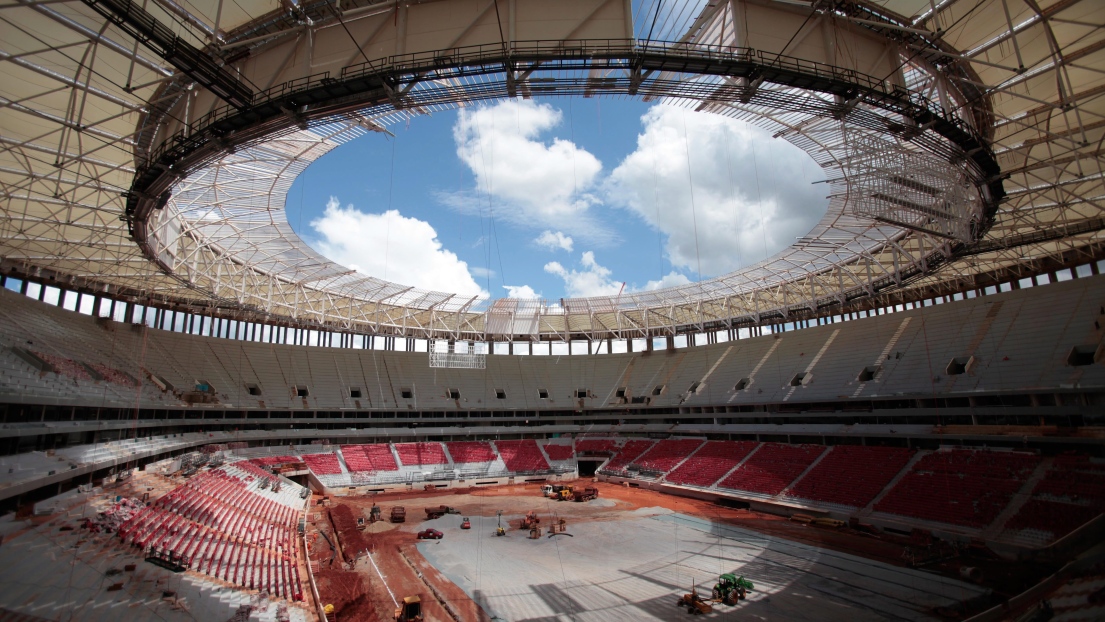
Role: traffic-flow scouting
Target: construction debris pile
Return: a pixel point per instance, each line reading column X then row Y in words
column 108, row 521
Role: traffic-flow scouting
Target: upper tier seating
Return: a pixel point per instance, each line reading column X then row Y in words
column 1048, row 323
column 627, row 454
column 666, row 454
column 412, row 454
column 323, row 464
column 559, row 452
column 960, row 487
column 522, row 455
column 772, row 468
column 471, row 452
column 594, row 445
column 711, row 463
column 64, row 366
column 851, row 475
column 113, row 375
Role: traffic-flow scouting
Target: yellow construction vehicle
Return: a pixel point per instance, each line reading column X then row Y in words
column 552, row 491
column 410, row 610
column 566, row 494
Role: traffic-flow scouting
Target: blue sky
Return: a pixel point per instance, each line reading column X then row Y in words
column 557, row 198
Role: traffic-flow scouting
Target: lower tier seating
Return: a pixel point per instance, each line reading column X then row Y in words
column 1071, row 493
column 228, row 524
column 522, row 455
column 711, row 463
column 1052, row 519
column 851, row 475
column 666, row 454
column 323, row 464
column 772, row 468
column 471, row 452
column 413, row 454
column 559, row 452
column 627, row 454
column 371, row 458
column 960, row 487
column 272, row 460
column 596, row 445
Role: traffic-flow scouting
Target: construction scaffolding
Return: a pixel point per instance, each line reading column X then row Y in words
column 444, row 355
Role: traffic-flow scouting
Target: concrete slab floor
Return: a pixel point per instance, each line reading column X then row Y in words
column 635, row 569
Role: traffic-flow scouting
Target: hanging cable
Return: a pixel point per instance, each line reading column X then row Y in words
column 346, row 29
column 391, row 189
column 654, row 16
column 499, row 20
column 759, row 195
column 732, row 193
column 659, row 229
column 491, row 229
column 690, row 183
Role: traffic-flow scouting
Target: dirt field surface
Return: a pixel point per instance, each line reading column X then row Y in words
column 395, row 565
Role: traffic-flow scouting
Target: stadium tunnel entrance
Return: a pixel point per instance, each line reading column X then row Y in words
column 588, row 466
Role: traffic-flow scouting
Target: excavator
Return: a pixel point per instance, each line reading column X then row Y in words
column 530, row 520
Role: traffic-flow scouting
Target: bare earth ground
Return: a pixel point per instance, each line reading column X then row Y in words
column 624, row 527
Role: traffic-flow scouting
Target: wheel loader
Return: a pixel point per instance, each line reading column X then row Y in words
column 552, row 491
column 410, row 610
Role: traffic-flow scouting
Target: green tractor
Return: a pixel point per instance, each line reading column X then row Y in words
column 730, row 588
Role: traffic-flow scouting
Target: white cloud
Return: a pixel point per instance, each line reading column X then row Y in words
column 481, row 273
column 671, row 279
column 520, row 291
column 592, row 280
column 393, row 247
column 531, row 182
column 554, row 240
column 736, row 220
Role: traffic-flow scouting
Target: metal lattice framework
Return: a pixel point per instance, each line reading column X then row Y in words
column 909, row 189
column 102, row 112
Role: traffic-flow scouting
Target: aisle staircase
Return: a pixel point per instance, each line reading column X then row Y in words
column 866, row 511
